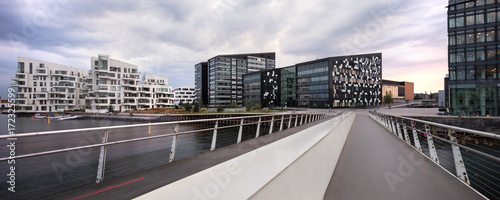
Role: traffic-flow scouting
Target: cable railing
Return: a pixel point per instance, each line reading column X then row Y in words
column 53, row 162
column 472, row 156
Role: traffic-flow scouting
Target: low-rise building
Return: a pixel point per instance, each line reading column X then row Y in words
column 400, row 90
column 184, row 94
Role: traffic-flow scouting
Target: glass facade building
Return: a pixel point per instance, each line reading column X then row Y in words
column 334, row 82
column 288, row 85
column 201, row 82
column 473, row 51
column 225, row 75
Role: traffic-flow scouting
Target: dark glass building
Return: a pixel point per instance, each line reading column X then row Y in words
column 201, row 82
column 263, row 88
column 345, row 81
column 225, row 72
column 474, row 47
column 287, row 89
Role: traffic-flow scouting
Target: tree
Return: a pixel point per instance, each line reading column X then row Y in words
column 181, row 104
column 249, row 105
column 258, row 106
column 196, row 107
column 188, row 106
column 388, row 98
column 233, row 104
column 220, row 108
column 110, row 108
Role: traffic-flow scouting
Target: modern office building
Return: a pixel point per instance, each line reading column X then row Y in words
column 117, row 84
column 400, row 90
column 473, row 56
column 334, row 82
column 48, row 87
column 201, row 82
column 184, row 94
column 225, row 82
column 263, row 88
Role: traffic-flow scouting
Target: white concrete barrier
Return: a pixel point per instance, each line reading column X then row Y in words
column 296, row 167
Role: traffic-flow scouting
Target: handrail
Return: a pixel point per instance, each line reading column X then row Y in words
column 132, row 125
column 459, row 129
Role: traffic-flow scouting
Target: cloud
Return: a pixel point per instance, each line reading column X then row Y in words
column 169, row 38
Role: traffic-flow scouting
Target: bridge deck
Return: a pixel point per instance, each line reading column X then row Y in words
column 375, row 164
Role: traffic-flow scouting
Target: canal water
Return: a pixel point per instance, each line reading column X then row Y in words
column 48, row 175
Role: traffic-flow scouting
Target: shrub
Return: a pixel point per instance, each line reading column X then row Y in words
column 443, row 109
column 233, row 104
column 188, row 106
column 196, row 107
column 258, row 106
column 220, row 108
column 249, row 105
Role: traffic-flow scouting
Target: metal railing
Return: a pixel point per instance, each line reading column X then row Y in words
column 180, row 136
column 472, row 156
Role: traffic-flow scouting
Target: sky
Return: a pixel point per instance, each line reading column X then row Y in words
column 168, row 38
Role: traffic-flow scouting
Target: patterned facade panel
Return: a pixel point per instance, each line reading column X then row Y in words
column 356, row 80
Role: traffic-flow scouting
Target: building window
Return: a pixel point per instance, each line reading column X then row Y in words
column 480, row 36
column 471, row 55
column 480, row 73
column 453, row 75
column 479, row 2
column 490, row 36
column 471, row 73
column 461, row 73
column 491, row 17
column 451, row 22
column 460, row 6
column 480, row 54
column 491, row 53
column 490, row 1
column 470, row 20
column 470, row 38
column 469, row 4
column 460, row 38
column 452, row 40
column 480, row 18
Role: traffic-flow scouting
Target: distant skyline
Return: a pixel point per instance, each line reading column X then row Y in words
column 169, row 38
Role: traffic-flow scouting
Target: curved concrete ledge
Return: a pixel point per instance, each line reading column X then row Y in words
column 297, row 167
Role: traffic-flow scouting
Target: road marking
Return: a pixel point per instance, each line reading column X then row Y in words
column 109, row 188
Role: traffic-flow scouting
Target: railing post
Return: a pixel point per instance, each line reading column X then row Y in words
column 174, row 144
column 240, row 132
column 290, row 121
column 214, row 137
column 430, row 141
column 393, row 126
column 281, row 125
column 405, row 131
column 415, row 136
column 310, row 118
column 398, row 128
column 258, row 129
column 272, row 124
column 296, row 119
column 301, row 118
column 102, row 158
column 457, row 157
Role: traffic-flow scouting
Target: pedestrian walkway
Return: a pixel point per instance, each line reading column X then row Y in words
column 375, row 164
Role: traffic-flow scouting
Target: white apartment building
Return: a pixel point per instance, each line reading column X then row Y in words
column 154, row 92
column 48, row 87
column 116, row 84
column 184, row 94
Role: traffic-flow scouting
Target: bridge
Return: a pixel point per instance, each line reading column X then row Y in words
column 320, row 155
